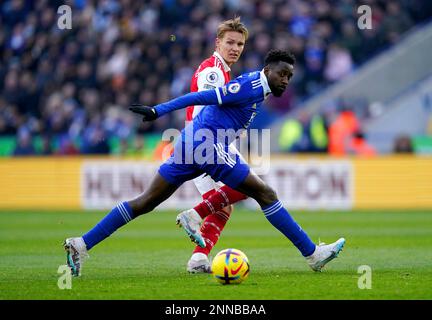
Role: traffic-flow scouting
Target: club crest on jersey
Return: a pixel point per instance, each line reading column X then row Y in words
column 212, row 77
column 234, row 87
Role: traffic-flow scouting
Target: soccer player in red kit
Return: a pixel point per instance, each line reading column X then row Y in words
column 215, row 72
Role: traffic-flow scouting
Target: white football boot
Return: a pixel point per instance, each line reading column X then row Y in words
column 199, row 263
column 324, row 253
column 76, row 253
column 190, row 220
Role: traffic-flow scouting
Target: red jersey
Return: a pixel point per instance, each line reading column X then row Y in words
column 212, row 73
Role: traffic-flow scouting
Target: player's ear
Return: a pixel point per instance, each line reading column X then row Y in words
column 217, row 42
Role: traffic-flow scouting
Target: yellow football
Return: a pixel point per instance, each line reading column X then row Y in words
column 230, row 266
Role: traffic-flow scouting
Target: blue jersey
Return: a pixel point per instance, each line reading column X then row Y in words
column 238, row 103
column 232, row 106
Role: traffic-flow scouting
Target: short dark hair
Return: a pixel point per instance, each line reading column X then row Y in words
column 279, row 55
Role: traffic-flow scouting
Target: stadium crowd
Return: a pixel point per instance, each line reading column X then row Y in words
column 77, row 83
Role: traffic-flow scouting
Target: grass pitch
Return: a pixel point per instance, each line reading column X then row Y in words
column 147, row 258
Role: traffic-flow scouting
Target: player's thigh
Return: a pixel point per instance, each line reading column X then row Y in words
column 236, row 173
column 158, row 191
column 169, row 177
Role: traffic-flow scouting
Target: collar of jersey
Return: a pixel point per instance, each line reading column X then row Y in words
column 265, row 84
column 226, row 67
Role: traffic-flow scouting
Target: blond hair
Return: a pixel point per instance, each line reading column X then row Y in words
column 232, row 25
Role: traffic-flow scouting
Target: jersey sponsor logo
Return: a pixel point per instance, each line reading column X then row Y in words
column 212, row 77
column 234, row 87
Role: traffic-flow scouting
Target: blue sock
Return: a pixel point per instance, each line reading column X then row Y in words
column 118, row 217
column 282, row 220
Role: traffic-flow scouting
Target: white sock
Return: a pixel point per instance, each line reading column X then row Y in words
column 315, row 251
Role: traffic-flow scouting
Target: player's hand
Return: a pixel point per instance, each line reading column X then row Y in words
column 148, row 113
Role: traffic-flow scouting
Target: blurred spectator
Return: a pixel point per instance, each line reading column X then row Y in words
column 291, row 133
column 319, row 133
column 67, row 147
column 95, row 138
column 96, row 143
column 359, row 146
column 394, row 22
column 137, row 147
column 46, row 147
column 314, row 56
column 339, row 63
column 163, row 150
column 351, row 40
column 341, row 131
column 11, row 90
column 8, row 120
column 123, row 147
column 403, row 144
column 24, row 145
column 305, row 134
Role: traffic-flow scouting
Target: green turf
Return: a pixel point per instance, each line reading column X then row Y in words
column 146, row 259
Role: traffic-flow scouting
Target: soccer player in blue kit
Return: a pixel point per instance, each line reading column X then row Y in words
column 203, row 148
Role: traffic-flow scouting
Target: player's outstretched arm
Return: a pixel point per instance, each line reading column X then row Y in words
column 206, row 97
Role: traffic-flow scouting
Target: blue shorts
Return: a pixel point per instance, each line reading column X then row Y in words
column 221, row 165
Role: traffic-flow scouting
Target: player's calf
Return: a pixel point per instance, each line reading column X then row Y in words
column 265, row 196
column 211, row 229
column 276, row 214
